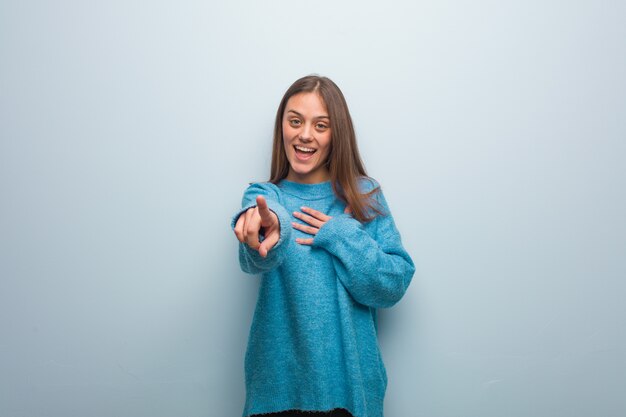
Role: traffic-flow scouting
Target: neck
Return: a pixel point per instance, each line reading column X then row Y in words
column 321, row 175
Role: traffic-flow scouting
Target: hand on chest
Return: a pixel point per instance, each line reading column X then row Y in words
column 310, row 216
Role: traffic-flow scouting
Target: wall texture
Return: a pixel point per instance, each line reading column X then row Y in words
column 129, row 130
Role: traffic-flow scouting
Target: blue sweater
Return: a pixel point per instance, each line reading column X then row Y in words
column 312, row 344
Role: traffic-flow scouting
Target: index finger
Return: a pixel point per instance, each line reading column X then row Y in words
column 264, row 211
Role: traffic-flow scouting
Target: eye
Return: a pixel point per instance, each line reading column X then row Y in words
column 321, row 126
column 294, row 122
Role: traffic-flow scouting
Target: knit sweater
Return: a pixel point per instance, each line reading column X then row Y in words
column 312, row 344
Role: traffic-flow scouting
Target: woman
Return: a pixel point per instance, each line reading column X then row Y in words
column 321, row 234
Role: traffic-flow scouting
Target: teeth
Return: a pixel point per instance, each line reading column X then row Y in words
column 303, row 149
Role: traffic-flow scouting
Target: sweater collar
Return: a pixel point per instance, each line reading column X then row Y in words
column 307, row 191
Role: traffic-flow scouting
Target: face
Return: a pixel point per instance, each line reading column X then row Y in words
column 306, row 137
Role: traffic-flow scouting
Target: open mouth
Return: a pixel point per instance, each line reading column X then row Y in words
column 304, row 152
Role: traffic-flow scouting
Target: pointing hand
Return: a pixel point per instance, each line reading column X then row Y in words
column 259, row 220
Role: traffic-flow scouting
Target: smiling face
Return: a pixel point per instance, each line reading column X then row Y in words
column 306, row 137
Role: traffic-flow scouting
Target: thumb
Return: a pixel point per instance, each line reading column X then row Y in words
column 268, row 244
column 267, row 217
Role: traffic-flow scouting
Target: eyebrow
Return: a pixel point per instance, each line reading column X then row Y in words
column 318, row 117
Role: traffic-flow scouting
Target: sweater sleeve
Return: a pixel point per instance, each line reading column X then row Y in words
column 372, row 265
column 250, row 260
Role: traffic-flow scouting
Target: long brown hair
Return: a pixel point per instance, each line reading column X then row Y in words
column 344, row 161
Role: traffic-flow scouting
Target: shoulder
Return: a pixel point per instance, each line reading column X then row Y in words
column 368, row 185
column 373, row 190
column 266, row 189
column 264, row 186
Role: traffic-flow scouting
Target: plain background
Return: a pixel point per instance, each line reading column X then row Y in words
column 129, row 130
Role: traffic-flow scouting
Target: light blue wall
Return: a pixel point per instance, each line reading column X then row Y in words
column 129, row 129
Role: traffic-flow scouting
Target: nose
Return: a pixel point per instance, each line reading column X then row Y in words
column 306, row 133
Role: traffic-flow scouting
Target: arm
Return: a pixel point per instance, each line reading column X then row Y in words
column 261, row 210
column 375, row 268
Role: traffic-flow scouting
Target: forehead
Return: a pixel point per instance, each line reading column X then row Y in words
column 308, row 104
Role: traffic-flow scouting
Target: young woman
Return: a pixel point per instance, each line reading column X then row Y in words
column 321, row 234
